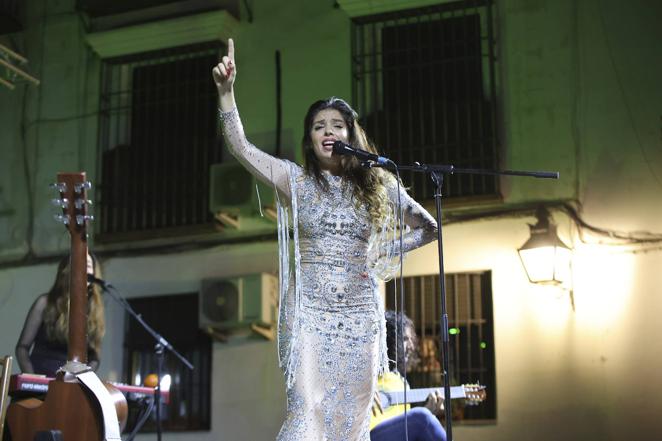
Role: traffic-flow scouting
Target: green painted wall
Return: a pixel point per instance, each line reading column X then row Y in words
column 581, row 96
column 52, row 127
column 579, row 93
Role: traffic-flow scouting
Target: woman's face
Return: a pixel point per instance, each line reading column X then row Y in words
column 409, row 340
column 90, row 265
column 328, row 127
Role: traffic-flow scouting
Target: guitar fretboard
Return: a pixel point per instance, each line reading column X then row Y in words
column 420, row 395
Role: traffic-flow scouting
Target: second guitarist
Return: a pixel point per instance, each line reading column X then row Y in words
column 389, row 424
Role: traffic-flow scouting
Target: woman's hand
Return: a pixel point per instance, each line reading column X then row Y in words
column 224, row 74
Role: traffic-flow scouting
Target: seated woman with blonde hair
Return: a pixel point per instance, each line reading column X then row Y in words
column 42, row 346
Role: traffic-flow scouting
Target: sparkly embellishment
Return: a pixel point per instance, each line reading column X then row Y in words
column 331, row 329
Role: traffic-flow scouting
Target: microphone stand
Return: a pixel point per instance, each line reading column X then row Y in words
column 436, row 173
column 161, row 344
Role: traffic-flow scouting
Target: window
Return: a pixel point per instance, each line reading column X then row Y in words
column 175, row 317
column 424, row 82
column 10, row 16
column 471, row 325
column 158, row 138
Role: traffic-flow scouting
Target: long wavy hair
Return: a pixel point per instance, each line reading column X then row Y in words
column 399, row 357
column 56, row 314
column 369, row 185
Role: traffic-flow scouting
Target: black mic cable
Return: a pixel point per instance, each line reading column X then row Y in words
column 96, row 281
column 400, row 317
column 398, row 291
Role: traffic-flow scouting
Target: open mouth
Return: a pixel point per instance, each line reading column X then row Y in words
column 328, row 145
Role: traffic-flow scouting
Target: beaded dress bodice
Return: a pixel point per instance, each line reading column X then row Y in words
column 333, row 242
column 338, row 346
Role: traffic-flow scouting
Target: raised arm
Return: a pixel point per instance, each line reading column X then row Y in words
column 268, row 169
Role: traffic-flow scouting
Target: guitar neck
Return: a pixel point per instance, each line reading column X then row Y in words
column 421, row 395
column 77, row 349
column 73, row 196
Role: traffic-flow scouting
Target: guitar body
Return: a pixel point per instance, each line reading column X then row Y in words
column 68, row 407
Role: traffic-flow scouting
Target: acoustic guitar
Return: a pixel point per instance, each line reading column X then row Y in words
column 473, row 394
column 80, row 412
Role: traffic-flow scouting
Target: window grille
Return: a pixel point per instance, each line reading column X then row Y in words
column 424, row 83
column 10, row 17
column 158, row 137
column 471, row 345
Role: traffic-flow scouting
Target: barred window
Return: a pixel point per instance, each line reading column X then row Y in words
column 11, row 13
column 424, row 82
column 158, row 137
column 471, row 325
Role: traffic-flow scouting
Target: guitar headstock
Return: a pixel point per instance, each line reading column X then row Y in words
column 72, row 189
column 474, row 394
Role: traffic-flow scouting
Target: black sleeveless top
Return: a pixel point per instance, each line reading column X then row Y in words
column 49, row 355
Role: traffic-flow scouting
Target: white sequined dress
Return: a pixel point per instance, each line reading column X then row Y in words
column 331, row 320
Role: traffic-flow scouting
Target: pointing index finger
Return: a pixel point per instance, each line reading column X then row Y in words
column 231, row 49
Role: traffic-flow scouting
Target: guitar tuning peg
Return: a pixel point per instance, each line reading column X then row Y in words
column 59, row 186
column 62, row 218
column 80, row 219
column 80, row 203
column 78, row 188
column 60, row 203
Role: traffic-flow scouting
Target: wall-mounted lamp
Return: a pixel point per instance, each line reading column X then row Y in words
column 546, row 259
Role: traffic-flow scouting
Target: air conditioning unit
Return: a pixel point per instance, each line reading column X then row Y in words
column 237, row 302
column 232, row 192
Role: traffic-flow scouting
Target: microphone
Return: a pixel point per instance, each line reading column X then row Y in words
column 340, row 148
column 95, row 280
